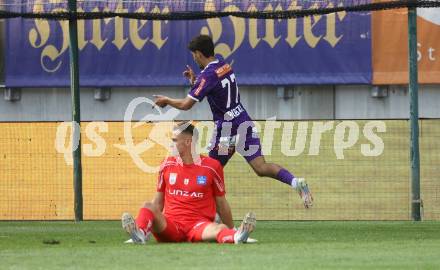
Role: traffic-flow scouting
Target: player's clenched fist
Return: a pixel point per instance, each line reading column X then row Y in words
column 189, row 74
column 160, row 101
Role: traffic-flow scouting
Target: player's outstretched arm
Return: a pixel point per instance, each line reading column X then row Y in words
column 224, row 211
column 181, row 104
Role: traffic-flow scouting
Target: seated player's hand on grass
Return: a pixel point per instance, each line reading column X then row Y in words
column 161, row 101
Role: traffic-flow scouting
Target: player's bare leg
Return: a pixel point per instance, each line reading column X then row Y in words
column 262, row 168
column 212, row 230
column 223, row 234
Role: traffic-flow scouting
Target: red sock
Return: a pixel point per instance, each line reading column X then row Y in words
column 145, row 219
column 226, row 236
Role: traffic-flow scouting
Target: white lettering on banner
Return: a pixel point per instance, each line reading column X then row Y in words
column 422, row 52
column 366, row 149
column 340, row 143
column 300, row 142
column 269, row 128
column 60, row 140
column 317, row 130
column 431, row 15
column 92, row 132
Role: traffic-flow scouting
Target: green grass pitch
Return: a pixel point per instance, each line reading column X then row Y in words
column 282, row 245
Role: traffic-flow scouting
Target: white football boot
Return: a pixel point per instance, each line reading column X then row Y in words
column 137, row 235
column 245, row 229
column 304, row 192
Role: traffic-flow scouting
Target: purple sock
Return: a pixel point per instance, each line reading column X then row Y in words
column 285, row 176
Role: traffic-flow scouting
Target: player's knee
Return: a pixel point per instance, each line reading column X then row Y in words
column 220, row 227
column 150, row 206
column 260, row 171
column 146, row 204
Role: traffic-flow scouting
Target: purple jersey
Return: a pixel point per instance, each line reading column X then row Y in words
column 234, row 128
column 217, row 82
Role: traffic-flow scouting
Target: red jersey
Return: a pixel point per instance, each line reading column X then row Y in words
column 190, row 190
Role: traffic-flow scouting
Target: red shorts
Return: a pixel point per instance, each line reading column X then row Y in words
column 175, row 233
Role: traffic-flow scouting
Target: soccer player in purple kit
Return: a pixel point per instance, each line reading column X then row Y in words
column 234, row 129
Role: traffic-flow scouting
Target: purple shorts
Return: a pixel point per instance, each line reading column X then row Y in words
column 228, row 139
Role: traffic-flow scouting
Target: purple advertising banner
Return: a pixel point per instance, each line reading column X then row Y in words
column 322, row 49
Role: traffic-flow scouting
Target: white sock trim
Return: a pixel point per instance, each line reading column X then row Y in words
column 294, row 183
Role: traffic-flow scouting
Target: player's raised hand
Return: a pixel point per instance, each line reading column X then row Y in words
column 189, row 74
column 161, row 101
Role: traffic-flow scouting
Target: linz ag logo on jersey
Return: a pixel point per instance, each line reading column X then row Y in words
column 185, row 193
column 201, row 180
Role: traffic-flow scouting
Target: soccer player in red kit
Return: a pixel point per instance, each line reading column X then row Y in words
column 190, row 190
